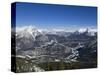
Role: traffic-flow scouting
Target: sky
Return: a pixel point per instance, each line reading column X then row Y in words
column 50, row 16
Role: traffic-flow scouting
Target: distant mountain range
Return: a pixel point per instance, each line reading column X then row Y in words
column 52, row 45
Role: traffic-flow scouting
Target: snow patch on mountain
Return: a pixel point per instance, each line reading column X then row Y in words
column 90, row 31
column 87, row 29
column 27, row 31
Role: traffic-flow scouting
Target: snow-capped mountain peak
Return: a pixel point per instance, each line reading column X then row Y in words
column 90, row 31
column 87, row 29
column 27, row 31
column 26, row 28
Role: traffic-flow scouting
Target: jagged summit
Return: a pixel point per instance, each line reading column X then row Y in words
column 87, row 31
column 27, row 31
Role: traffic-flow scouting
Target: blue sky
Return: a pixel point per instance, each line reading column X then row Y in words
column 55, row 16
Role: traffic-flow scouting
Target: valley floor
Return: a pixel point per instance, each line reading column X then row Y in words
column 23, row 65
